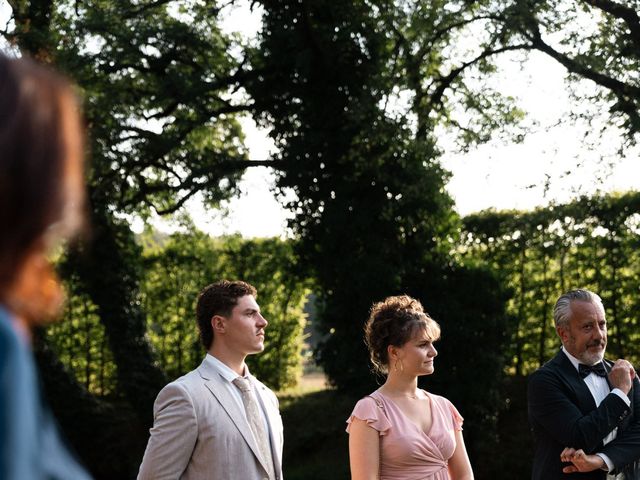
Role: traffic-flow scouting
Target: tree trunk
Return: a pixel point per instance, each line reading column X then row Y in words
column 109, row 271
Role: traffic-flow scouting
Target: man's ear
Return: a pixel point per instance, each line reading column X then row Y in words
column 218, row 324
column 563, row 333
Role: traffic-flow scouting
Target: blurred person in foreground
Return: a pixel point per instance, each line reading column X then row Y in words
column 41, row 203
column 584, row 410
column 401, row 432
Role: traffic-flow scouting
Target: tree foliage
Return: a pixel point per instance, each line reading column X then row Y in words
column 372, row 213
column 185, row 263
column 445, row 51
column 158, row 82
column 591, row 242
column 595, row 40
column 175, row 269
column 369, row 201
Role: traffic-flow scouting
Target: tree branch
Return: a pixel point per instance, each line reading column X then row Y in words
column 627, row 14
column 193, row 183
column 134, row 12
column 442, row 31
column 178, row 205
column 445, row 82
column 620, row 89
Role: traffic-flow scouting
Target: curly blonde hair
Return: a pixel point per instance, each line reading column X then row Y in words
column 393, row 322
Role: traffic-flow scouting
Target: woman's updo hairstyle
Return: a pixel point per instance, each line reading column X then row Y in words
column 393, row 322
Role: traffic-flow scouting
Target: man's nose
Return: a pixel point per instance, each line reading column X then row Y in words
column 262, row 322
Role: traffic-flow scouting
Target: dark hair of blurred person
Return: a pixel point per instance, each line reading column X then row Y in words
column 42, row 202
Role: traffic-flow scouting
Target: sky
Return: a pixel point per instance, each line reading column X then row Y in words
column 499, row 174
column 509, row 175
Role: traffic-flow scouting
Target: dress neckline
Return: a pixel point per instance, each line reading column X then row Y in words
column 406, row 417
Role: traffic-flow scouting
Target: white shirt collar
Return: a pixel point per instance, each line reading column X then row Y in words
column 573, row 359
column 226, row 373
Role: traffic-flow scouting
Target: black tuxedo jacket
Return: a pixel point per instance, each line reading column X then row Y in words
column 563, row 413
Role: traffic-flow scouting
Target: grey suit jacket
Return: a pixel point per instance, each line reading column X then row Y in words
column 200, row 433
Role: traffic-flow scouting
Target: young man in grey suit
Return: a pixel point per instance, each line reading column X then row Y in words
column 218, row 422
column 584, row 410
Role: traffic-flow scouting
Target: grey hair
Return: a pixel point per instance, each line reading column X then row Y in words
column 562, row 309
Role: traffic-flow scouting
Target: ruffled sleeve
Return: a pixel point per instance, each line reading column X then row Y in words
column 455, row 416
column 368, row 410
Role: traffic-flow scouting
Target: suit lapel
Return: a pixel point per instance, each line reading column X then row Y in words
column 272, row 414
column 585, row 400
column 215, row 384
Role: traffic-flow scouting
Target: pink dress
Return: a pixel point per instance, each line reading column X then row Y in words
column 407, row 453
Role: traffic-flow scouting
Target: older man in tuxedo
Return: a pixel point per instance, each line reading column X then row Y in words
column 218, row 422
column 584, row 410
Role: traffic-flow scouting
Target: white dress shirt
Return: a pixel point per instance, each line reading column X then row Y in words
column 599, row 388
column 229, row 375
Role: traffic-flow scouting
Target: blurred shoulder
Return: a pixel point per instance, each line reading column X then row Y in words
column 13, row 348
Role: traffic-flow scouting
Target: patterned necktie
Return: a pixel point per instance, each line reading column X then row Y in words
column 598, row 369
column 255, row 422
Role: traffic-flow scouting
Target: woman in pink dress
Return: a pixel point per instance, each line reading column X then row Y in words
column 401, row 432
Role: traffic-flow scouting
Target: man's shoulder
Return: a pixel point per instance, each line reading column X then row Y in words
column 189, row 376
column 185, row 382
column 553, row 372
column 550, row 366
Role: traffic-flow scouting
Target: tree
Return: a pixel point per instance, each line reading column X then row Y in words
column 368, row 196
column 158, row 83
column 372, row 213
column 590, row 242
column 595, row 40
column 446, row 51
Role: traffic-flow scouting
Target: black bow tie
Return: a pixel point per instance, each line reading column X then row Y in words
column 598, row 369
